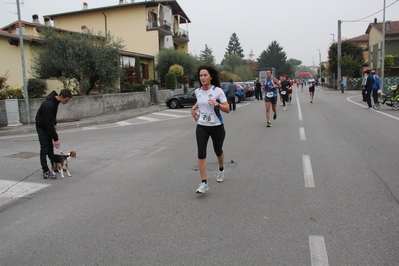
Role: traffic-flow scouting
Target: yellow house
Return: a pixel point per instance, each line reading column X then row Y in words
column 363, row 42
column 374, row 32
column 10, row 52
column 146, row 28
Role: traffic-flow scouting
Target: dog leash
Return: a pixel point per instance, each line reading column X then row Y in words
column 60, row 151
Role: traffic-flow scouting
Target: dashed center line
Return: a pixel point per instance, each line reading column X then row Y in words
column 318, row 251
column 307, row 171
column 302, row 135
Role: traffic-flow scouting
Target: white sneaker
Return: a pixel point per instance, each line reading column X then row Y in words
column 220, row 176
column 203, row 187
column 284, row 108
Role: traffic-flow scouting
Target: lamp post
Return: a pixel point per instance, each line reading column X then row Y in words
column 21, row 43
column 333, row 36
column 319, row 64
column 383, row 50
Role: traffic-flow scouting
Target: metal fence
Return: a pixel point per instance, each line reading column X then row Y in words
column 356, row 83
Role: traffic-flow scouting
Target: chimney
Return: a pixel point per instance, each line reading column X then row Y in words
column 84, row 29
column 35, row 18
column 85, row 6
column 121, row 2
column 375, row 20
column 47, row 21
column 388, row 25
column 23, row 28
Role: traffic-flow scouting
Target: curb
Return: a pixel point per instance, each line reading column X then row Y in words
column 90, row 121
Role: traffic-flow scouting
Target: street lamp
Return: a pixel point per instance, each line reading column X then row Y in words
column 319, row 64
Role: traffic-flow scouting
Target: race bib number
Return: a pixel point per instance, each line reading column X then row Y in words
column 269, row 94
column 206, row 118
column 283, row 92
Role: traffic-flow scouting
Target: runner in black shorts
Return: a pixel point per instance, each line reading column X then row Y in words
column 311, row 91
column 271, row 87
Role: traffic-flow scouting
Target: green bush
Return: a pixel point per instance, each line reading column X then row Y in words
column 170, row 81
column 11, row 94
column 139, row 87
column 37, row 88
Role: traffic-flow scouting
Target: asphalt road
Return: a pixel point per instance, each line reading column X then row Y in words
column 320, row 187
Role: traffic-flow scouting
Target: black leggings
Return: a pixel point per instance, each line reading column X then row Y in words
column 217, row 133
column 46, row 148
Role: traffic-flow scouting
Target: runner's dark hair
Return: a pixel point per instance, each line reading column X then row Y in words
column 213, row 72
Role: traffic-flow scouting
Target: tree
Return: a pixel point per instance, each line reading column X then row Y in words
column 275, row 57
column 351, row 57
column 206, row 57
column 177, row 69
column 234, row 46
column 244, row 72
column 232, row 61
column 251, row 63
column 350, row 66
column 84, row 58
column 168, row 57
column 295, row 62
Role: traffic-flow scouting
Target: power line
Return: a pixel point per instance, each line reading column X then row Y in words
column 358, row 20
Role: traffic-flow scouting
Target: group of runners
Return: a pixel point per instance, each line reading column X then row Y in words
column 211, row 101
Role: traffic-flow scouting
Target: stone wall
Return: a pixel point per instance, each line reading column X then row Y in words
column 91, row 105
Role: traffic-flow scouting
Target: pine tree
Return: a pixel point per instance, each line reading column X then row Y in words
column 275, row 57
column 206, row 56
column 234, row 46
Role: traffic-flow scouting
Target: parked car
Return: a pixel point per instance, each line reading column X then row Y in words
column 240, row 94
column 181, row 100
column 248, row 88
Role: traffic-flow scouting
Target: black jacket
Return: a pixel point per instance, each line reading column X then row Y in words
column 47, row 114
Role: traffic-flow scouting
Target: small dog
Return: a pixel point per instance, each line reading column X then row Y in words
column 58, row 161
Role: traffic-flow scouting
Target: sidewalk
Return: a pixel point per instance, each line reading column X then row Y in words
column 84, row 122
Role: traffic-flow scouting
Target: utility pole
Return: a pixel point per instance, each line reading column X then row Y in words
column 21, row 45
column 383, row 50
column 339, row 53
column 319, row 64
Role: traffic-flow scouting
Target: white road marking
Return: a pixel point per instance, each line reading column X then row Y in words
column 307, row 171
column 146, row 118
column 391, row 116
column 170, row 115
column 123, row 123
column 13, row 190
column 89, row 128
column 179, row 111
column 302, row 135
column 300, row 118
column 155, row 152
column 318, row 251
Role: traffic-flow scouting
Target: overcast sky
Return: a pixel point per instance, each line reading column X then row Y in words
column 300, row 27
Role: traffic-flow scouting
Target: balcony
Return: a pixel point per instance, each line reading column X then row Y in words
column 162, row 26
column 180, row 36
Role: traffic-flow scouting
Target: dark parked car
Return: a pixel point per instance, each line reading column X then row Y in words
column 248, row 88
column 240, row 95
column 181, row 100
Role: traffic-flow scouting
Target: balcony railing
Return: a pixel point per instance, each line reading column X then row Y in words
column 160, row 24
column 181, row 33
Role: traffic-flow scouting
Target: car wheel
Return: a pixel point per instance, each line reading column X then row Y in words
column 237, row 99
column 174, row 104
